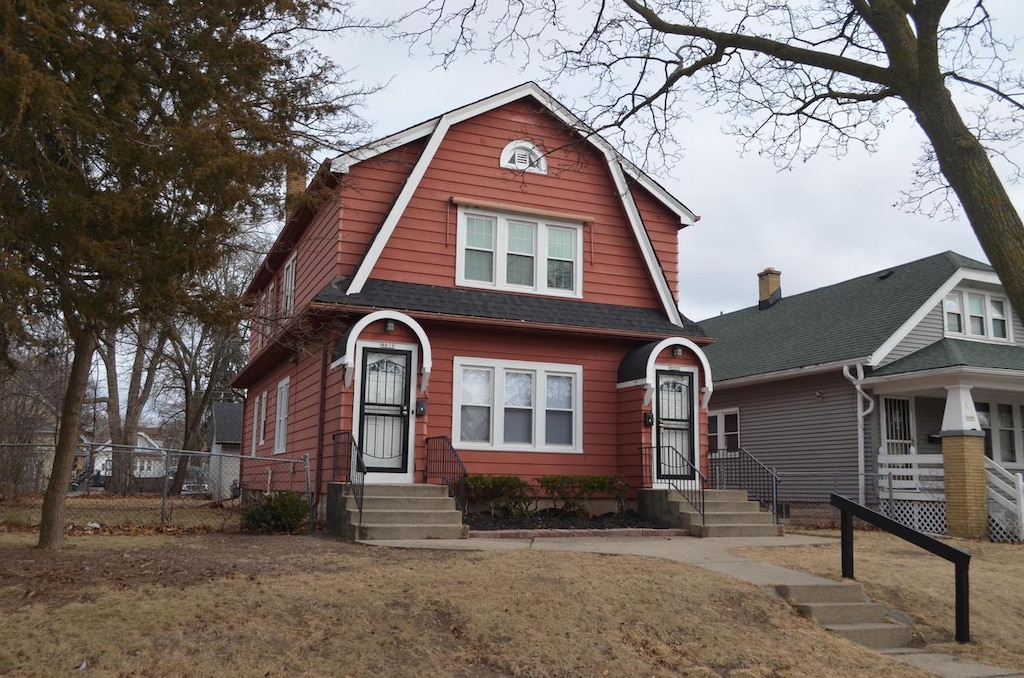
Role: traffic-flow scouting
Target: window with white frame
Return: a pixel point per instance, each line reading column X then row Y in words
column 519, row 253
column 256, row 428
column 1002, row 424
column 977, row 315
column 515, row 405
column 524, row 156
column 281, row 421
column 263, row 419
column 288, row 287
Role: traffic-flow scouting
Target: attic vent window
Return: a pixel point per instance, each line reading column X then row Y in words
column 524, row 156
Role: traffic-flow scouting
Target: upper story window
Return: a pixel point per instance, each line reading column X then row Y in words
column 977, row 315
column 524, row 156
column 288, row 287
column 516, row 253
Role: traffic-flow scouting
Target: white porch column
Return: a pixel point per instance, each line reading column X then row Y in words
column 960, row 414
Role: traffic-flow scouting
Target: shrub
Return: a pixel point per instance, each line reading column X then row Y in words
column 605, row 486
column 284, row 511
column 566, row 492
column 508, row 495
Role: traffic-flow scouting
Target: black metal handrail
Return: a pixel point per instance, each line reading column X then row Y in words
column 444, row 464
column 961, row 559
column 693, row 492
column 737, row 469
column 345, row 449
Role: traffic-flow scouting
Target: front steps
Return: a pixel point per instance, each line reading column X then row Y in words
column 844, row 609
column 394, row 512
column 727, row 513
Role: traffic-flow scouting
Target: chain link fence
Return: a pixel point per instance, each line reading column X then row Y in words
column 125, row 488
column 804, row 496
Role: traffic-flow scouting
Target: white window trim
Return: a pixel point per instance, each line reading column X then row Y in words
column 281, row 416
column 721, row 415
column 255, row 424
column 288, row 287
column 263, row 419
column 500, row 250
column 1017, row 414
column 540, row 371
column 965, row 317
column 538, row 163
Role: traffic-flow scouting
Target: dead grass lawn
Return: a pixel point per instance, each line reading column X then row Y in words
column 303, row 606
column 907, row 578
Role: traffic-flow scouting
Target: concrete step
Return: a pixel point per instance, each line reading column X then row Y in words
column 405, row 517
column 843, row 613
column 728, row 506
column 398, row 490
column 726, row 495
column 874, row 635
column 371, row 532
column 744, row 518
column 441, row 503
column 748, row 530
column 839, row 592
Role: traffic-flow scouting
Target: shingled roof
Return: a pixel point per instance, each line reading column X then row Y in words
column 957, row 353
column 448, row 301
column 845, row 321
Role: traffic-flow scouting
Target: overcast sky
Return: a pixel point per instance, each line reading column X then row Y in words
column 820, row 223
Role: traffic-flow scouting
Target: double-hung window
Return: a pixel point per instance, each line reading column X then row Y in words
column 514, row 405
column 519, row 253
column 977, row 315
column 288, row 287
column 281, row 422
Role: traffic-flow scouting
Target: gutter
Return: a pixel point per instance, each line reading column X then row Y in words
column 862, row 415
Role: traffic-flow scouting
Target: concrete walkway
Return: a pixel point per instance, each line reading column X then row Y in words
column 712, row 554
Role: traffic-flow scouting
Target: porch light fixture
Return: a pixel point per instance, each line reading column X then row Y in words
column 677, row 351
column 389, row 325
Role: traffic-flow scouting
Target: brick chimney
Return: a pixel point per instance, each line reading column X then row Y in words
column 769, row 287
column 294, row 187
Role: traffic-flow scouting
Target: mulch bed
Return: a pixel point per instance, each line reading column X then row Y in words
column 553, row 519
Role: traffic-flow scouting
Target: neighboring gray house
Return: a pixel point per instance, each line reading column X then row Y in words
column 853, row 383
column 225, row 440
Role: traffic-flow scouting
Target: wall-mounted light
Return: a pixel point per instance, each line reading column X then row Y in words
column 389, row 325
column 677, row 351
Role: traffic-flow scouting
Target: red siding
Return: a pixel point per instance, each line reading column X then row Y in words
column 663, row 229
column 423, row 247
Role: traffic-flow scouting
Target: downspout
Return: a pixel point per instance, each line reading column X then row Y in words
column 320, row 428
column 862, row 415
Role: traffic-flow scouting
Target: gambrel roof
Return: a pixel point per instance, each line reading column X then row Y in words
column 855, row 321
column 621, row 170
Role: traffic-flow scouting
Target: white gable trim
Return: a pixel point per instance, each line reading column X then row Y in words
column 651, row 374
column 617, row 165
column 913, row 321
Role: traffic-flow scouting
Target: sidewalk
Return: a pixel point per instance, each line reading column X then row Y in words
column 716, row 555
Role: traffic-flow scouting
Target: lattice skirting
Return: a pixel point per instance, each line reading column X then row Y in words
column 1002, row 526
column 923, row 516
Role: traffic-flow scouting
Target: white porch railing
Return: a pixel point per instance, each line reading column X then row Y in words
column 1006, row 494
column 912, row 476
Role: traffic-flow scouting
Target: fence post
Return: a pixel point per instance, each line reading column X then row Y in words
column 309, row 494
column 163, row 495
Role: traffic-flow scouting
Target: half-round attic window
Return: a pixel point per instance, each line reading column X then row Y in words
column 524, row 156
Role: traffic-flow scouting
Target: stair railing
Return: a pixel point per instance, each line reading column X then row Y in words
column 346, row 448
column 737, row 469
column 444, row 464
column 1006, row 490
column 678, row 473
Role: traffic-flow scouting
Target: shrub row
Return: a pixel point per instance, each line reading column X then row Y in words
column 278, row 512
column 511, row 495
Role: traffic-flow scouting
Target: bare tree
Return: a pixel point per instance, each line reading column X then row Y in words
column 797, row 77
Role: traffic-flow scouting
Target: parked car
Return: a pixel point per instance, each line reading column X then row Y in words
column 86, row 480
column 196, row 483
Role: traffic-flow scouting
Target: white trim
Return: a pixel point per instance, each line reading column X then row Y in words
column 979, row 377
column 498, row 369
column 652, row 368
column 255, row 425
column 613, row 158
column 357, row 399
column 288, row 285
column 720, row 415
column 961, row 274
column 539, row 163
column 786, row 374
column 281, row 415
column 342, row 163
column 263, row 419
column 348, row 361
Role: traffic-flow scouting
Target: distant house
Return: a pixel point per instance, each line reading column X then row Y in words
column 146, row 458
column 867, row 383
column 497, row 281
column 225, row 440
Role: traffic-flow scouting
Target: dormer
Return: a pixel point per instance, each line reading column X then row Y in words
column 976, row 313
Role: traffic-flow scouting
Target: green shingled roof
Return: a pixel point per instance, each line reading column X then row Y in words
column 845, row 321
column 955, row 353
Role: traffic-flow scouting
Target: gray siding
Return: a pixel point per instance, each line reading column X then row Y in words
column 1018, row 329
column 928, row 417
column 927, row 332
column 786, row 426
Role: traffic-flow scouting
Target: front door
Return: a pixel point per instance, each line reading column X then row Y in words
column 674, row 444
column 384, row 408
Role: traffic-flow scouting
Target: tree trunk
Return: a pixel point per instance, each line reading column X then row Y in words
column 970, row 173
column 51, row 526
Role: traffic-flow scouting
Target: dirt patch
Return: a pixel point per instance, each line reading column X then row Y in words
column 286, row 606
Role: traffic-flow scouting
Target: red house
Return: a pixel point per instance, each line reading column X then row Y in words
column 498, row 281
